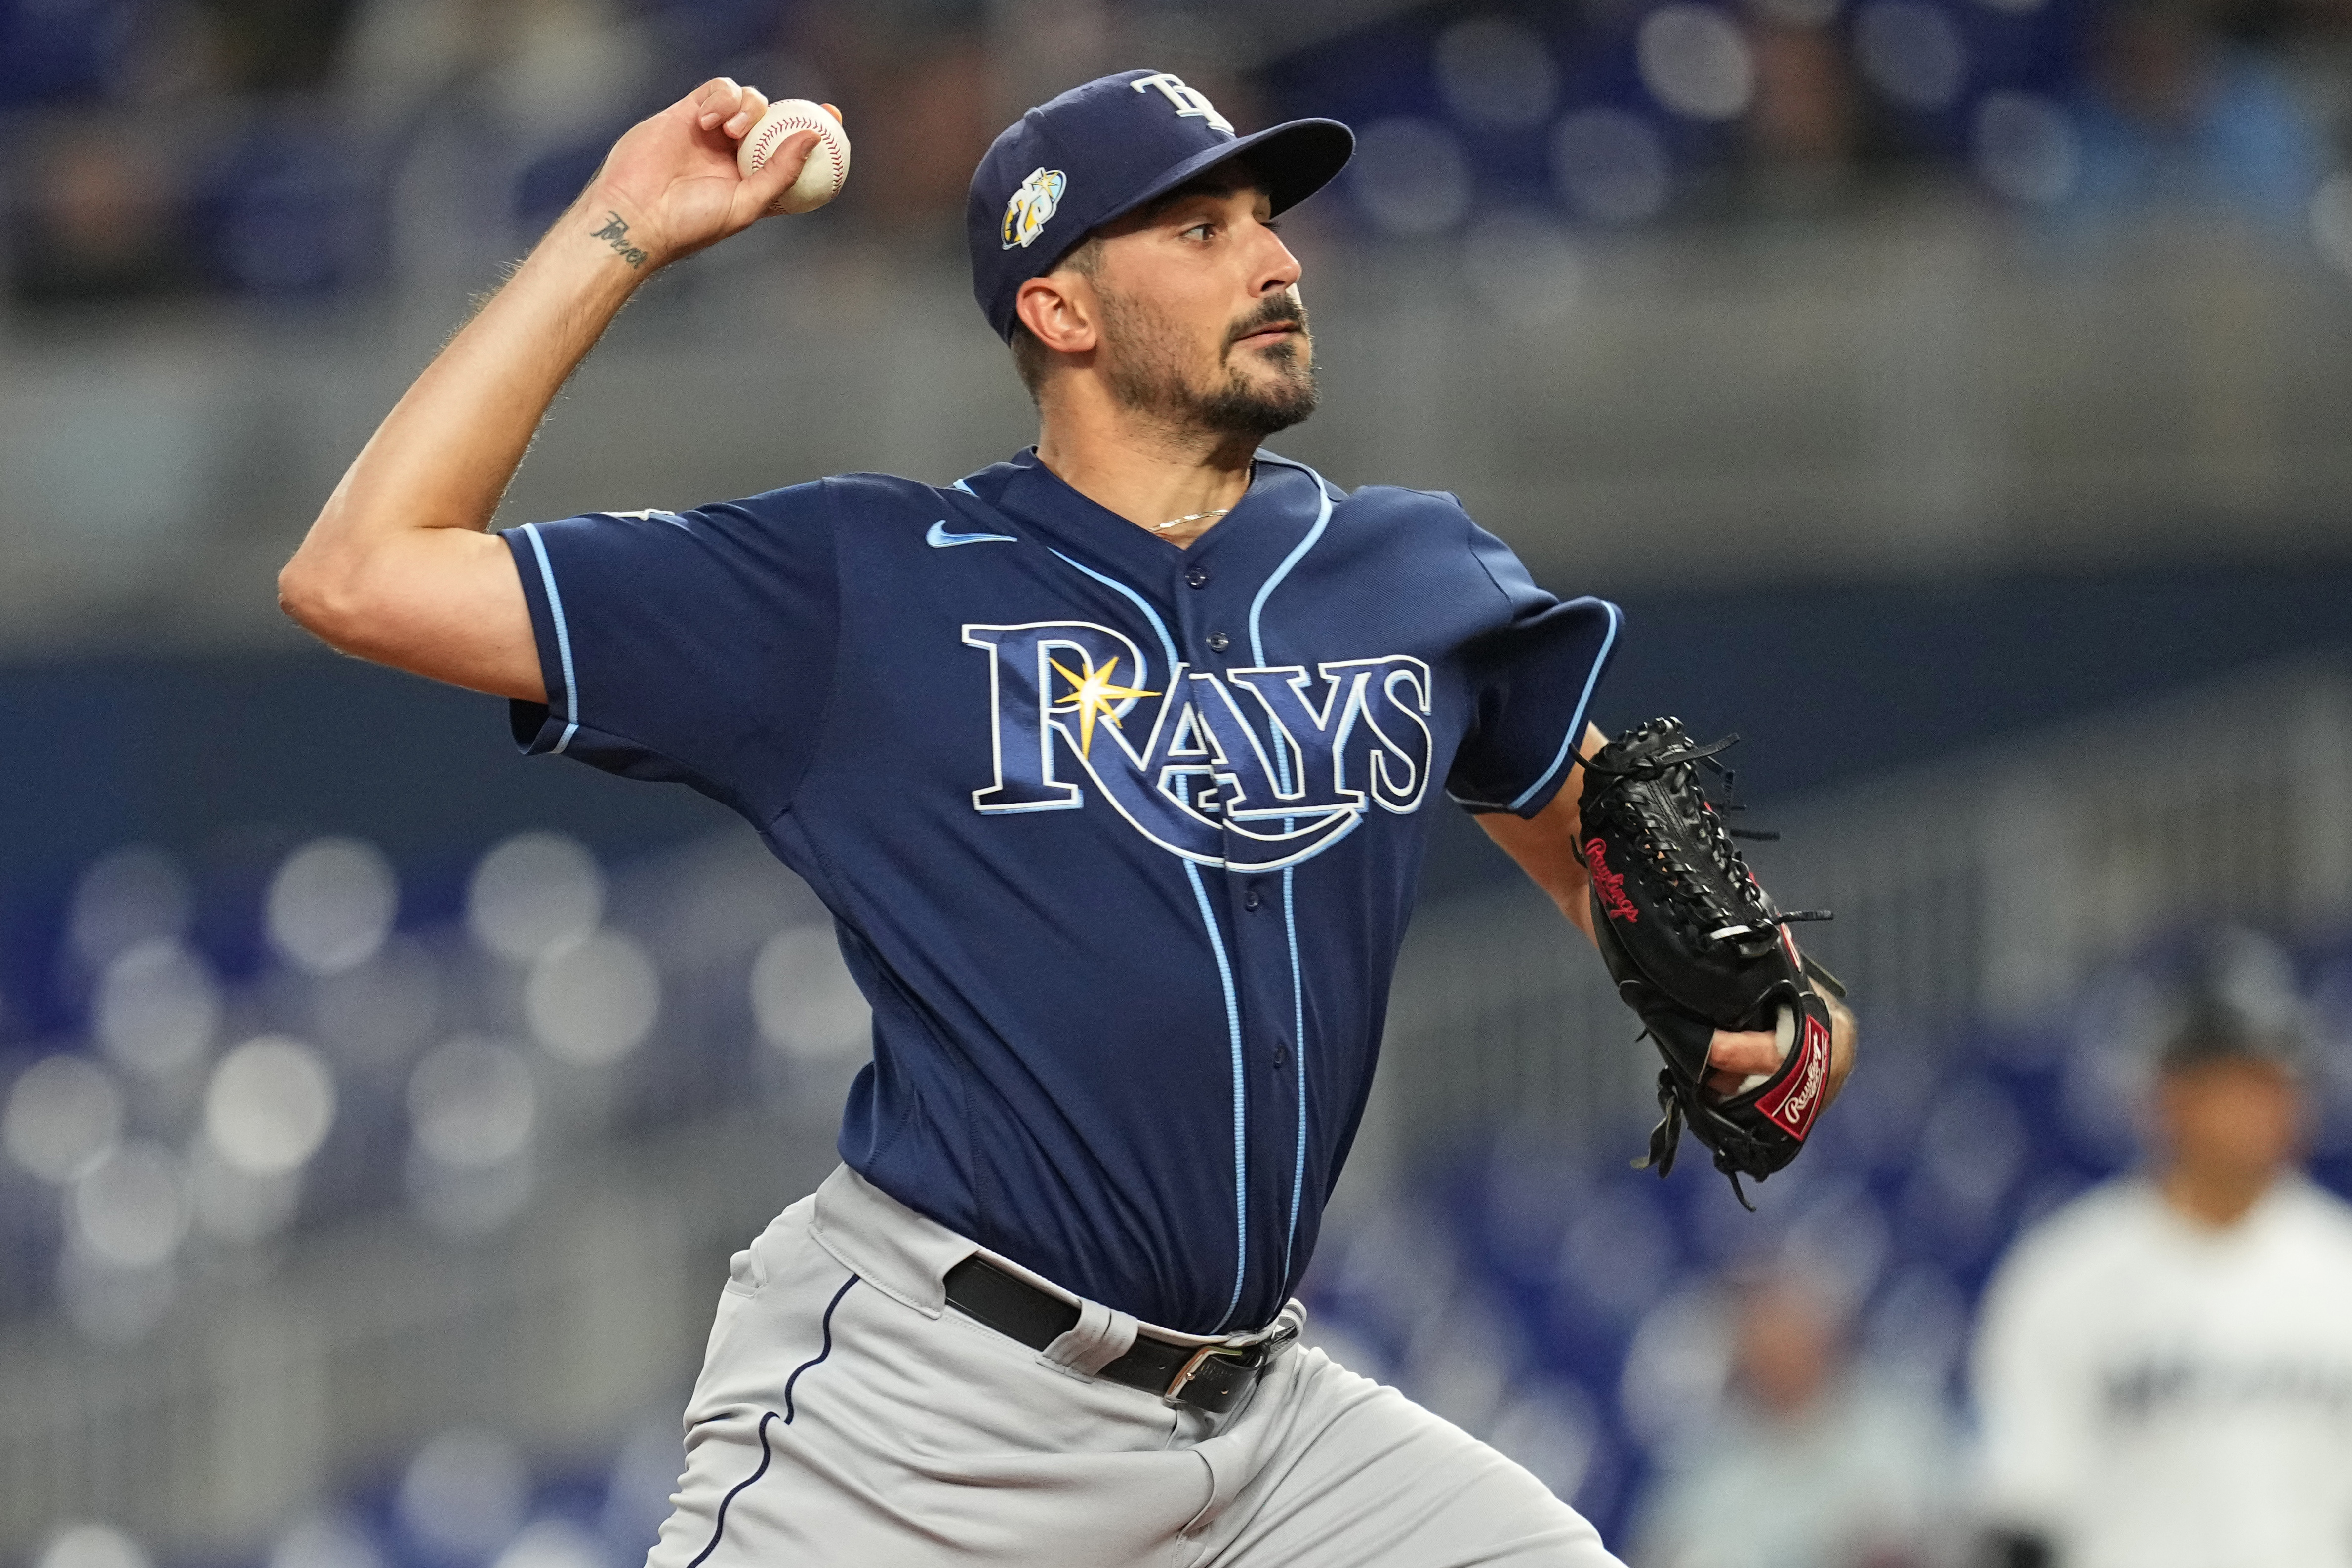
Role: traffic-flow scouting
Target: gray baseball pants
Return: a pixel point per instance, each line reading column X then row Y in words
column 847, row 1416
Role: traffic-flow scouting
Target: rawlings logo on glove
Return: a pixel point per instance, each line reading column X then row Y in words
column 1608, row 887
column 1792, row 1106
column 1695, row 946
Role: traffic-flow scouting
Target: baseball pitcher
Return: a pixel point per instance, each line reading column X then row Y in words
column 1114, row 762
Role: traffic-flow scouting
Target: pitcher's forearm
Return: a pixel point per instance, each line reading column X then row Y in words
column 397, row 566
column 446, row 453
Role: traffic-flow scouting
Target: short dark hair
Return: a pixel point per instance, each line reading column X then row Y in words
column 1030, row 357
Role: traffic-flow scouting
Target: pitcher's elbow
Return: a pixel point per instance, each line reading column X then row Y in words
column 316, row 599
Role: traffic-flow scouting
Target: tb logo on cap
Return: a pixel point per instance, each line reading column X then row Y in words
column 1188, row 100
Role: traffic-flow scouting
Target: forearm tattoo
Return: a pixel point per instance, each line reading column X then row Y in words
column 615, row 233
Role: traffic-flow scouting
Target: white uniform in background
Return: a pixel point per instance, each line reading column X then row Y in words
column 1863, row 1477
column 2156, row 1393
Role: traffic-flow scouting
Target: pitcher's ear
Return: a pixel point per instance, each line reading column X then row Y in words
column 1060, row 311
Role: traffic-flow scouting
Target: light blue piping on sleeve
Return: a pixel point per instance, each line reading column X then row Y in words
column 1575, row 724
column 562, row 636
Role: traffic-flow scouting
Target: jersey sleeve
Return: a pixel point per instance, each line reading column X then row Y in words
column 691, row 646
column 1533, row 678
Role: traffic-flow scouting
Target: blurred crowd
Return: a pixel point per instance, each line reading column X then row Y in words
column 2048, row 1295
column 299, row 149
column 207, row 1060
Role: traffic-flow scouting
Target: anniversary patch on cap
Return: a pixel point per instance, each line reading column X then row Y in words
column 1032, row 206
column 1069, row 166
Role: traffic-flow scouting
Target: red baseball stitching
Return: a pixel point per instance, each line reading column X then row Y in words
column 767, row 140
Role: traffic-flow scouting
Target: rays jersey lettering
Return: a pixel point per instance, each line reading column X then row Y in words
column 1253, row 770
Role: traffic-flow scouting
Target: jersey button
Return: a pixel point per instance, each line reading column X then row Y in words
column 1281, row 1055
column 1197, row 577
column 1250, row 900
column 1219, row 642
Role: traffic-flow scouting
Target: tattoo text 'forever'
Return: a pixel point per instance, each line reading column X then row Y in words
column 615, row 233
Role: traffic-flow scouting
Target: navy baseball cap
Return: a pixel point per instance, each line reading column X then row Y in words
column 1069, row 166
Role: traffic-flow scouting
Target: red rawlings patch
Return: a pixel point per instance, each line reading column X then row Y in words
column 1608, row 885
column 1793, row 1105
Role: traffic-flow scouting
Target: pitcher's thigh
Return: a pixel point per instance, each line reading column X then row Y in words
column 849, row 1430
column 1355, row 1474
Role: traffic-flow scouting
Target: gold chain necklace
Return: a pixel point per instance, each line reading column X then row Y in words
column 1188, row 517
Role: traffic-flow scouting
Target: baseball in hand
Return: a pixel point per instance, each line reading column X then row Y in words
column 828, row 162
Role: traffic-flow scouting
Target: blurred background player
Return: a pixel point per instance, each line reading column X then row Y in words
column 1811, row 1460
column 2164, row 1369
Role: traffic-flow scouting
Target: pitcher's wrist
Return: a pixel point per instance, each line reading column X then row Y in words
column 607, row 225
column 592, row 251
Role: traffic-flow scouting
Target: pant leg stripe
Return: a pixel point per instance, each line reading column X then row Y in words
column 825, row 1351
column 719, row 1529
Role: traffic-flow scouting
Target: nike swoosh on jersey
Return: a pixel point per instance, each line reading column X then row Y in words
column 939, row 538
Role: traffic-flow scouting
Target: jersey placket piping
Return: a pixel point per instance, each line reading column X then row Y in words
column 1224, row 970
column 1290, row 874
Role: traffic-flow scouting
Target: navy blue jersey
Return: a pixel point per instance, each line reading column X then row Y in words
column 1121, row 837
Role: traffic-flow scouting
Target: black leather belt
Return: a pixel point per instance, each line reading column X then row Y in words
column 1212, row 1377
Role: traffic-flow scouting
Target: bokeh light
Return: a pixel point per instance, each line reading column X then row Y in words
column 91, row 1545
column 1694, row 61
column 325, row 1541
column 462, row 1202
column 2025, row 148
column 111, row 1305
column 593, row 1001
column 1495, row 73
column 157, row 1008
column 63, row 1116
column 472, row 1102
column 554, row 1543
column 804, row 1000
column 1412, row 176
column 1611, row 166
column 269, row 1105
column 1912, row 51
column 462, row 1496
column 330, row 905
column 130, row 1210
column 534, row 891
column 382, row 1011
column 236, row 1205
column 134, row 895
